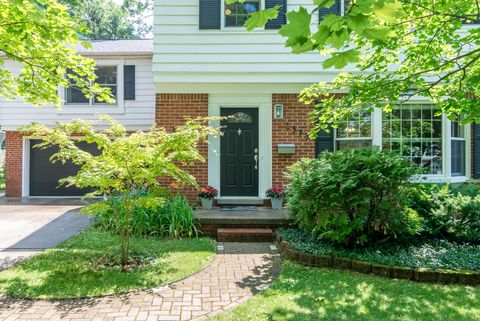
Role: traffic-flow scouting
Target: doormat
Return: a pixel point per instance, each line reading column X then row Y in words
column 238, row 208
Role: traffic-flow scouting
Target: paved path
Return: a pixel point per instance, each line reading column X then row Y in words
column 238, row 271
column 28, row 227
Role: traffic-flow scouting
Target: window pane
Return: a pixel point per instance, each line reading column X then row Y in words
column 417, row 136
column 75, row 96
column 106, row 75
column 458, row 158
column 237, row 13
column 240, row 117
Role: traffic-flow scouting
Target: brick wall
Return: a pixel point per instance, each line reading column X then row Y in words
column 13, row 164
column 170, row 111
column 292, row 129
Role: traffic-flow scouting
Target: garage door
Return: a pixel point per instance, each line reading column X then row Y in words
column 44, row 175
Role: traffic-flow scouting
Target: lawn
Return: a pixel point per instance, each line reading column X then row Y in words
column 303, row 293
column 2, row 178
column 70, row 270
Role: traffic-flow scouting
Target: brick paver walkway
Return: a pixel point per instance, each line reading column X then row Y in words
column 238, row 271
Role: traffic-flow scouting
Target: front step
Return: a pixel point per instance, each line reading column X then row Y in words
column 244, row 235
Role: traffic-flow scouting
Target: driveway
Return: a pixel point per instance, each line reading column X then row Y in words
column 29, row 226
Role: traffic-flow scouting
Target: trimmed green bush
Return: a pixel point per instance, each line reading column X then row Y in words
column 353, row 197
column 449, row 211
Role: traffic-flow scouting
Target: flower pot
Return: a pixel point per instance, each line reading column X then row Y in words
column 277, row 203
column 207, row 203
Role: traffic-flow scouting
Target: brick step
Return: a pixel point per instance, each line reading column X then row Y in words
column 244, row 235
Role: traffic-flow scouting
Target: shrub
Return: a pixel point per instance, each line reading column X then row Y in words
column 449, row 211
column 151, row 215
column 352, row 197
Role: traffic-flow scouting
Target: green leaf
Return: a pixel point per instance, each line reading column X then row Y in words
column 333, row 22
column 378, row 33
column 297, row 30
column 324, row 3
column 342, row 59
column 389, row 12
column 358, row 22
column 260, row 18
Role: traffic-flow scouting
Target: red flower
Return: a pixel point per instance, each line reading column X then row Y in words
column 208, row 192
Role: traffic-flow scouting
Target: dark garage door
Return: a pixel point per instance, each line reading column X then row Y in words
column 44, row 175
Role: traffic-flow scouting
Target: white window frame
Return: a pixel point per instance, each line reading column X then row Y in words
column 446, row 176
column 337, row 139
column 240, row 28
column 98, row 108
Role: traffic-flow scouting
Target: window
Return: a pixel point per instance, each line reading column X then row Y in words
column 237, row 13
column 355, row 132
column 458, row 148
column 106, row 77
column 240, row 118
column 415, row 132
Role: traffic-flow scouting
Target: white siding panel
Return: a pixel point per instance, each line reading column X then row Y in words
column 137, row 114
column 185, row 54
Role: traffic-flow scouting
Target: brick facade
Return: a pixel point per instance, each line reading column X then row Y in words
column 292, row 129
column 170, row 111
column 13, row 164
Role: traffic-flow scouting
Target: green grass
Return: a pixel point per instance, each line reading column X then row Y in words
column 67, row 271
column 2, row 178
column 417, row 253
column 313, row 294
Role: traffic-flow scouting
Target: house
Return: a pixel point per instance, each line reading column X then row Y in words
column 204, row 63
column 123, row 65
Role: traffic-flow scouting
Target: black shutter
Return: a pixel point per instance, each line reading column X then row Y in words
column 281, row 19
column 324, row 141
column 336, row 9
column 209, row 14
column 129, row 82
column 476, row 151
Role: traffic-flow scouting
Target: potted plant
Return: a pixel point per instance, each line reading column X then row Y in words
column 276, row 194
column 207, row 194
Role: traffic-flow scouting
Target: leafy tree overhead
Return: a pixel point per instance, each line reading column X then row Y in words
column 398, row 48
column 111, row 20
column 41, row 36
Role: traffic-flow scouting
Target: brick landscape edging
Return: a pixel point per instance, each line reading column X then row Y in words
column 390, row 271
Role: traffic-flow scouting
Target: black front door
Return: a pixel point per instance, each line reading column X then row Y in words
column 239, row 152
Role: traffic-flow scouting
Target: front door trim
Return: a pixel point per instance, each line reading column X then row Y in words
column 264, row 104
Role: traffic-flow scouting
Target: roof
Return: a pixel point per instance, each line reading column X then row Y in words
column 118, row 47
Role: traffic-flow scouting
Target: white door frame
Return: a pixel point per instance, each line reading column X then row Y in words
column 264, row 105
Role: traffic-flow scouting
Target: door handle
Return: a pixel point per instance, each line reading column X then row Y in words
column 256, row 158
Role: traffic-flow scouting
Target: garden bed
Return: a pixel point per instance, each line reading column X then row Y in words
column 421, row 260
column 79, row 267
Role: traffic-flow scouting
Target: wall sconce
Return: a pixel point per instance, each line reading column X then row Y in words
column 278, row 111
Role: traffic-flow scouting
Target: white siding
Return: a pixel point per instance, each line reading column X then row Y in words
column 184, row 54
column 137, row 114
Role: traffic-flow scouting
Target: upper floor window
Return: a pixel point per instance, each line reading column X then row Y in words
column 238, row 12
column 106, row 77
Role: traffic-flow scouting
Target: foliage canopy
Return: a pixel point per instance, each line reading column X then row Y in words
column 41, row 36
column 397, row 49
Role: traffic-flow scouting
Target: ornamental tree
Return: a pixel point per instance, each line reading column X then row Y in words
column 127, row 162
column 41, row 36
column 398, row 48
